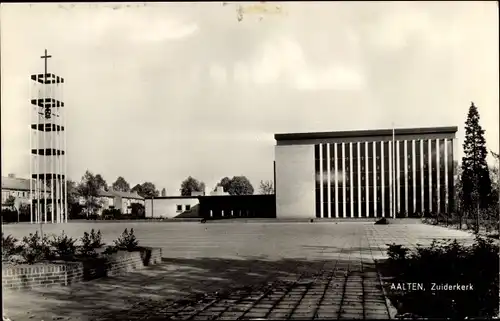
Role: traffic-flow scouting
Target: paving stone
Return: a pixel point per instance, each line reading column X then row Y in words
column 285, row 306
column 202, row 317
column 376, row 311
column 346, row 309
column 327, row 314
column 217, row 308
column 302, row 316
column 329, row 307
column 351, row 316
column 377, row 316
column 233, row 315
column 278, row 315
column 261, row 305
column 257, row 310
column 255, row 314
column 308, row 303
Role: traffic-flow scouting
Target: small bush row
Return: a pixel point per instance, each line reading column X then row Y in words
column 136, row 212
column 35, row 247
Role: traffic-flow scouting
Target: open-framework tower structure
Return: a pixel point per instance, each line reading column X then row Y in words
column 48, row 166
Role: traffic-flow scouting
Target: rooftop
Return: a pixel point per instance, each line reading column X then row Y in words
column 126, row 195
column 112, row 193
column 366, row 133
column 17, row 184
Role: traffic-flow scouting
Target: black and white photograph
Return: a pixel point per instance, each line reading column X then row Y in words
column 250, row 160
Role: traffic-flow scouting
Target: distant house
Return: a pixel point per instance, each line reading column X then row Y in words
column 124, row 200
column 219, row 190
column 19, row 188
column 117, row 200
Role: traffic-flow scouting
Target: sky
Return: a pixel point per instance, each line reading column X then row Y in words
column 159, row 92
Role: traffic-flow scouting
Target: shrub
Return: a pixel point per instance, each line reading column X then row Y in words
column 111, row 213
column 110, row 250
column 9, row 247
column 9, row 215
column 91, row 242
column 24, row 213
column 382, row 221
column 127, row 241
column 447, row 262
column 35, row 248
column 397, row 252
column 64, row 246
column 138, row 211
column 76, row 211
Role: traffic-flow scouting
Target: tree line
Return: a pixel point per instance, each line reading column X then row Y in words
column 90, row 185
column 238, row 185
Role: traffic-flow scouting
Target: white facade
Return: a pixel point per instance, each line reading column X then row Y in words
column 169, row 207
column 295, row 181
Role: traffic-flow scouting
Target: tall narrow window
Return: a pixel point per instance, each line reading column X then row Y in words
column 317, row 181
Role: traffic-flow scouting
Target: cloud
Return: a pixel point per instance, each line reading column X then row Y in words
column 162, row 31
column 218, row 74
column 335, row 77
column 400, row 26
column 393, row 30
column 283, row 60
column 103, row 24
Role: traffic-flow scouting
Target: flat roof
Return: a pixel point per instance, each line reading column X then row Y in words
column 366, row 133
column 171, row 197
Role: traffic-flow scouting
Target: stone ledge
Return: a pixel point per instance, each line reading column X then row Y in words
column 61, row 273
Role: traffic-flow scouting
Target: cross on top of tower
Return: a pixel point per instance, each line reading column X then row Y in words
column 45, row 57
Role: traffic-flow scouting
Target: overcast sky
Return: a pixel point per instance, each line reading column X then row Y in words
column 158, row 92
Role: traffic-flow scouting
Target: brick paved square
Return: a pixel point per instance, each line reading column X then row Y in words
column 230, row 256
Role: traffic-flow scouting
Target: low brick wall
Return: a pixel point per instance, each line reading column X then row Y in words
column 60, row 273
column 41, row 275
